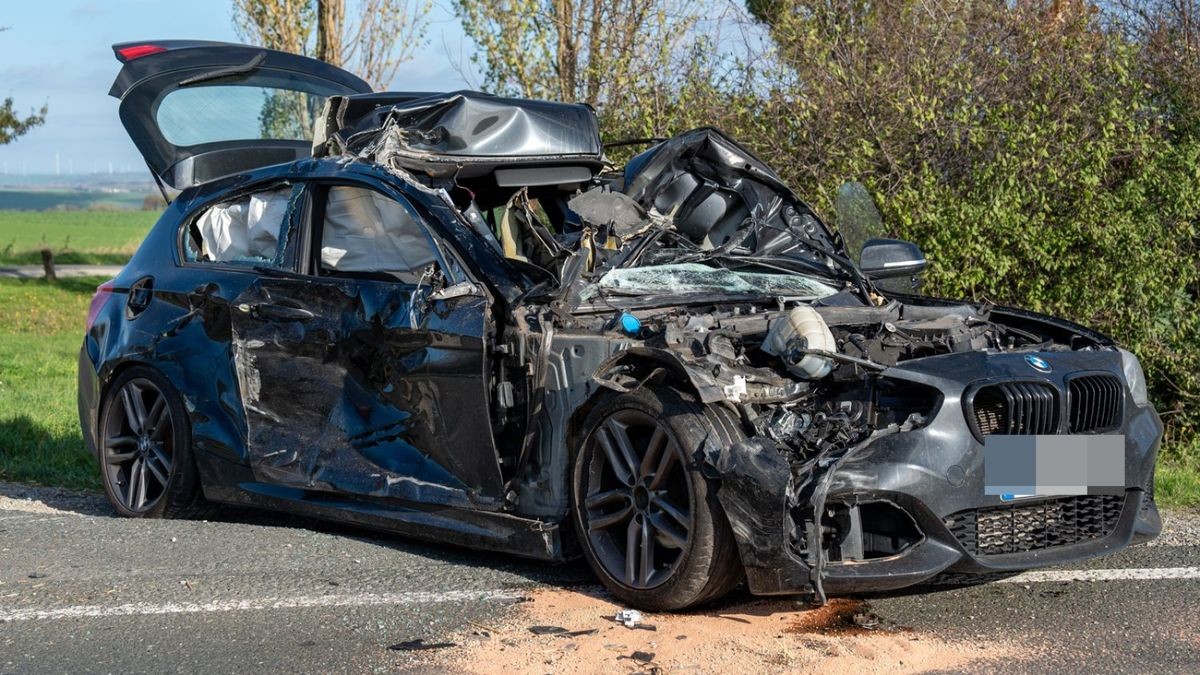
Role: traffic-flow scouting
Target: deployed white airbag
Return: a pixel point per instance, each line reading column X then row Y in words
column 244, row 229
column 366, row 231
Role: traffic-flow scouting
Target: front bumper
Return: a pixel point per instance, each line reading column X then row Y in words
column 935, row 475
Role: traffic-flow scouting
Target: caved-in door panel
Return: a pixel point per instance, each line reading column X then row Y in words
column 351, row 388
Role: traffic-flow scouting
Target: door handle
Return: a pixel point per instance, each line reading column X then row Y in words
column 276, row 312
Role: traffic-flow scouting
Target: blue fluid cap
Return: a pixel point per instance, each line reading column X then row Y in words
column 630, row 324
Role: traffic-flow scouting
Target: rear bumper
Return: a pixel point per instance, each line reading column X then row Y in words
column 88, row 399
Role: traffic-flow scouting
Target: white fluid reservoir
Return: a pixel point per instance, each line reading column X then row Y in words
column 804, row 323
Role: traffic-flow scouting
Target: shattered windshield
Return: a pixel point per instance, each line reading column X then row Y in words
column 696, row 278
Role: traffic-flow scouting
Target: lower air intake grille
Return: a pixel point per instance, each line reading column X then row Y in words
column 1035, row 526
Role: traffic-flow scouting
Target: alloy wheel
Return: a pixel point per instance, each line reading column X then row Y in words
column 637, row 500
column 138, row 445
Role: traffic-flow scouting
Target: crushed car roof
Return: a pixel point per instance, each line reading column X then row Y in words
column 464, row 133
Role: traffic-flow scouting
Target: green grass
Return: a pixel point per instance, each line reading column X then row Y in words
column 86, row 237
column 1178, row 483
column 40, row 334
column 41, row 328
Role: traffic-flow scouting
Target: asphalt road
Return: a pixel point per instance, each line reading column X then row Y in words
column 83, row 591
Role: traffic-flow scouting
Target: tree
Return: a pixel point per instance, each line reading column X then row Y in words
column 372, row 39
column 1169, row 32
column 12, row 125
column 607, row 53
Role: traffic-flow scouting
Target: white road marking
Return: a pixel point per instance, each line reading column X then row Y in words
column 415, row 598
column 301, row 602
column 1051, row 576
column 1137, row 574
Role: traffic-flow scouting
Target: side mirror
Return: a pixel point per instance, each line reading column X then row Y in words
column 891, row 258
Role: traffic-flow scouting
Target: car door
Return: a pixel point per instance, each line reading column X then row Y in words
column 199, row 111
column 354, row 379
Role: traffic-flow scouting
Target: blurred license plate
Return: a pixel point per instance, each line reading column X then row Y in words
column 1017, row 467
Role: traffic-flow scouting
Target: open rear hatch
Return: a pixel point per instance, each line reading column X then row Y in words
column 199, row 111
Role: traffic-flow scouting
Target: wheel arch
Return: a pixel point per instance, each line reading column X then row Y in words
column 110, row 373
column 626, row 371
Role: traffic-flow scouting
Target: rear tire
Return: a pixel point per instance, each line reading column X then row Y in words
column 647, row 518
column 145, row 449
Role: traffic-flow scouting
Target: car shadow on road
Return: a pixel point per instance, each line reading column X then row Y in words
column 574, row 573
column 53, row 501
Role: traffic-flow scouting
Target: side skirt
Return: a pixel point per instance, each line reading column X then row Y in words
column 482, row 530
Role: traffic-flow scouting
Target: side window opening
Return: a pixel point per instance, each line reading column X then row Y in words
column 365, row 233
column 249, row 230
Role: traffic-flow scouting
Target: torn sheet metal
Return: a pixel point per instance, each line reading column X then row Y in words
column 353, row 399
column 468, row 133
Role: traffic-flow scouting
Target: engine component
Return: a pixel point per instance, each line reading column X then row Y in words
column 802, row 329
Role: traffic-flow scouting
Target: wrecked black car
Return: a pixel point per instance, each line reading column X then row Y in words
column 448, row 316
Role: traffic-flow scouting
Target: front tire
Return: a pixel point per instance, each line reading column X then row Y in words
column 145, row 449
column 648, row 520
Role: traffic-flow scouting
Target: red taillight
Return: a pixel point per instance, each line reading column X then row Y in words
column 103, row 292
column 127, row 54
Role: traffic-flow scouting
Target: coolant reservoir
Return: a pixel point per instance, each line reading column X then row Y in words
column 805, row 325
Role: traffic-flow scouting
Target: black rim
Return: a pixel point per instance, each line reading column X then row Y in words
column 138, row 447
column 637, row 500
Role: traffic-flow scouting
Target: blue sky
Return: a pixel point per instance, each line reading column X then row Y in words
column 58, row 52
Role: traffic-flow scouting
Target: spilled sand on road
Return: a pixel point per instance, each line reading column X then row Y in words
column 753, row 635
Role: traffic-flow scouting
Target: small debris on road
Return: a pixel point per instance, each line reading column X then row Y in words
column 420, row 644
column 559, row 631
column 483, row 629
column 642, row 657
column 631, row 618
column 628, row 617
column 866, row 620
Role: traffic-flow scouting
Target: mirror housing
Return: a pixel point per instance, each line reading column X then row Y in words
column 891, row 258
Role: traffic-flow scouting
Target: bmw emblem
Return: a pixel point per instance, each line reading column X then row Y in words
column 1037, row 363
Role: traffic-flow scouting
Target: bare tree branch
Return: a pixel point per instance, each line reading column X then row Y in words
column 369, row 37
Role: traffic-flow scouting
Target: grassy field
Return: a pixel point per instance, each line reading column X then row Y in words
column 39, row 341
column 1178, row 484
column 39, row 430
column 94, row 237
